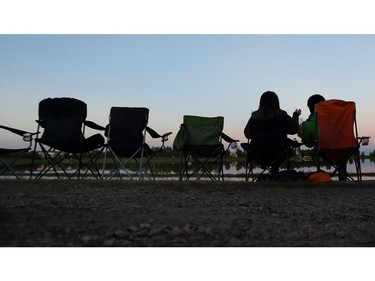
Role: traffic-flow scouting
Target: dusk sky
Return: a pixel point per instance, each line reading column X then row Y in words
column 201, row 57
column 174, row 75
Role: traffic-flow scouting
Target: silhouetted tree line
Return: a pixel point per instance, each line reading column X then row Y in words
column 239, row 153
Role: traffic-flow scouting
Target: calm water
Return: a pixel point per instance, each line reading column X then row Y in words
column 234, row 171
column 367, row 167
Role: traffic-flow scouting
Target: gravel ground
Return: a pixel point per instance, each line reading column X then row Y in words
column 169, row 213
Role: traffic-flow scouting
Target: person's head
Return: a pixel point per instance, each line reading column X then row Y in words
column 313, row 100
column 269, row 102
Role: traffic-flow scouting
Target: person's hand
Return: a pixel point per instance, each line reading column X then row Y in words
column 297, row 112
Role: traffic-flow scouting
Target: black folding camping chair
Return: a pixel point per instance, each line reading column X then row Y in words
column 63, row 142
column 268, row 148
column 9, row 156
column 126, row 144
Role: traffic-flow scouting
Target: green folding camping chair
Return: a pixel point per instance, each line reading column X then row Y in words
column 202, row 151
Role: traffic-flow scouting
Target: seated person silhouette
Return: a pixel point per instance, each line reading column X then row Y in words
column 307, row 131
column 267, row 130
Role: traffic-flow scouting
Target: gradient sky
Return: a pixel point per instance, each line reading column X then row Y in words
column 174, row 75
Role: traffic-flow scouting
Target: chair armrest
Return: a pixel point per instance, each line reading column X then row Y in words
column 155, row 135
column 26, row 136
column 93, row 125
column 245, row 146
column 15, row 131
column 293, row 143
column 228, row 138
column 232, row 143
column 364, row 141
column 165, row 136
column 40, row 123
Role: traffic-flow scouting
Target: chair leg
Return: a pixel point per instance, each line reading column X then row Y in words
column 221, row 168
column 33, row 160
column 90, row 165
column 251, row 170
column 205, row 167
column 358, row 170
column 184, row 165
column 52, row 162
column 246, row 169
column 119, row 165
column 8, row 167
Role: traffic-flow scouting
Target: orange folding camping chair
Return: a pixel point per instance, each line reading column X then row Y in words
column 338, row 137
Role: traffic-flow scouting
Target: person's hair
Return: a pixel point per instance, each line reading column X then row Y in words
column 313, row 100
column 269, row 104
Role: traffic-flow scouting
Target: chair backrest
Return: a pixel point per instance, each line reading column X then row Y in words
column 203, row 130
column 268, row 139
column 127, row 127
column 270, row 132
column 336, row 124
column 62, row 119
